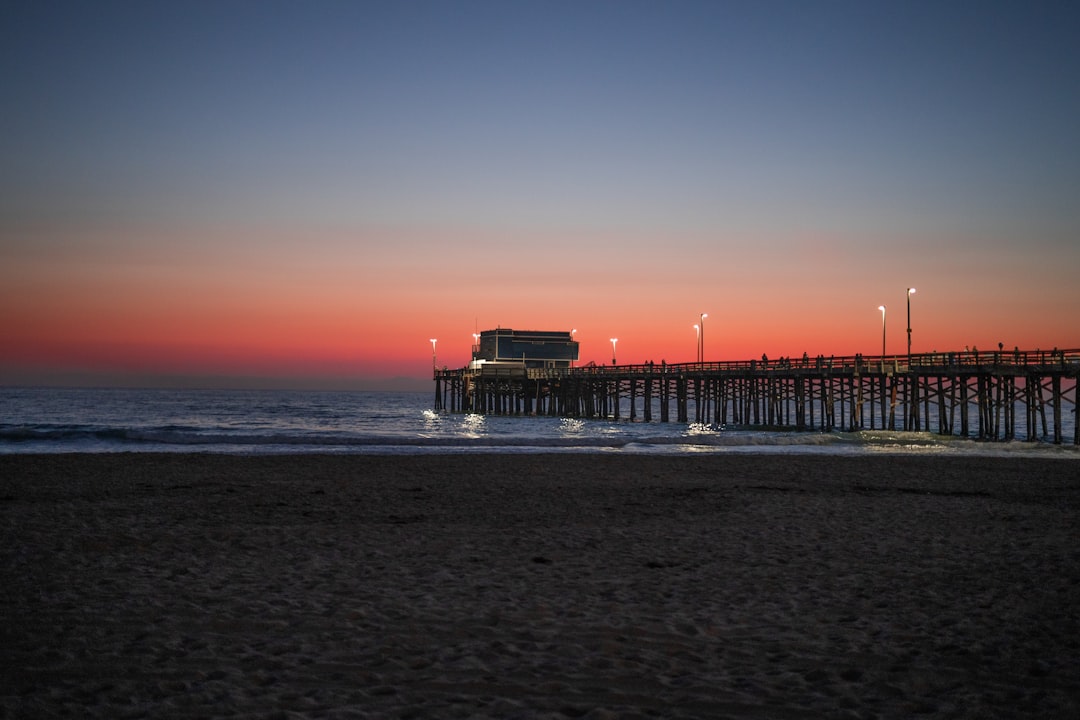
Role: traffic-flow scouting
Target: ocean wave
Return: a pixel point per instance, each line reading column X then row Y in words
column 637, row 439
column 183, row 437
column 186, row 436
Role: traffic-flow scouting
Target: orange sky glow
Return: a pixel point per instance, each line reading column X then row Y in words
column 213, row 310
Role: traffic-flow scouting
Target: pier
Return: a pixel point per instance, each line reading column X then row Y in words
column 999, row 395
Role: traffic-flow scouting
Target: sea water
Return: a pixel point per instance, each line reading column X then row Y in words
column 56, row 420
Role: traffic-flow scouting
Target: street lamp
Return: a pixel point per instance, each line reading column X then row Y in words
column 882, row 309
column 475, row 345
column 697, row 343
column 613, row 341
column 910, row 292
column 433, row 363
column 701, row 340
column 572, row 338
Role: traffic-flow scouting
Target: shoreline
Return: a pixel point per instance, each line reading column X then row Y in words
column 989, row 450
column 529, row 585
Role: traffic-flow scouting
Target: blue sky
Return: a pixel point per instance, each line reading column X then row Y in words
column 611, row 113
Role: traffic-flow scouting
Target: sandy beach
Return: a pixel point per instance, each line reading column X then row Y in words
column 528, row 586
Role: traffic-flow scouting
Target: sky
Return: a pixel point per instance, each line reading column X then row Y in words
column 303, row 194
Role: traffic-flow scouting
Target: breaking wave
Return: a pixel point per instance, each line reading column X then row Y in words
column 582, row 439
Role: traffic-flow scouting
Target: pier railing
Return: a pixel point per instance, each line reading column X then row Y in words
column 995, row 394
column 1007, row 360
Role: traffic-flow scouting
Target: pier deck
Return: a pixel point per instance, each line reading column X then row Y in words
column 1012, row 394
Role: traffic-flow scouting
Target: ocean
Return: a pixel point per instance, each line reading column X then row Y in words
column 59, row 420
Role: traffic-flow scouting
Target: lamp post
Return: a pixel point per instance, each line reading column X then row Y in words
column 882, row 309
column 697, row 343
column 701, row 340
column 475, row 345
column 433, row 363
column 573, row 333
column 613, row 341
column 910, row 292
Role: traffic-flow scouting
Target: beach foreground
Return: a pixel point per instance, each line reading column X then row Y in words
column 503, row 586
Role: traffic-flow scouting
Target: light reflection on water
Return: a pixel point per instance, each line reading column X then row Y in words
column 473, row 426
column 572, row 426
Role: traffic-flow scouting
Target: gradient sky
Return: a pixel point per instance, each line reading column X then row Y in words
column 305, row 192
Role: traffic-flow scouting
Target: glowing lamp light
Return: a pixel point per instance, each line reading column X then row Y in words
column 882, row 309
column 910, row 292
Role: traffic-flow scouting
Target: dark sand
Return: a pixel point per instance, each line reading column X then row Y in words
column 529, row 586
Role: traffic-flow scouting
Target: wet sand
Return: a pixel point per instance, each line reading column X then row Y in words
column 554, row 586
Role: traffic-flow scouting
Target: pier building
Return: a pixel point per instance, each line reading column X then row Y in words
column 508, row 352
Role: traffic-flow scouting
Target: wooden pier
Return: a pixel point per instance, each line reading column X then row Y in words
column 1003, row 395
